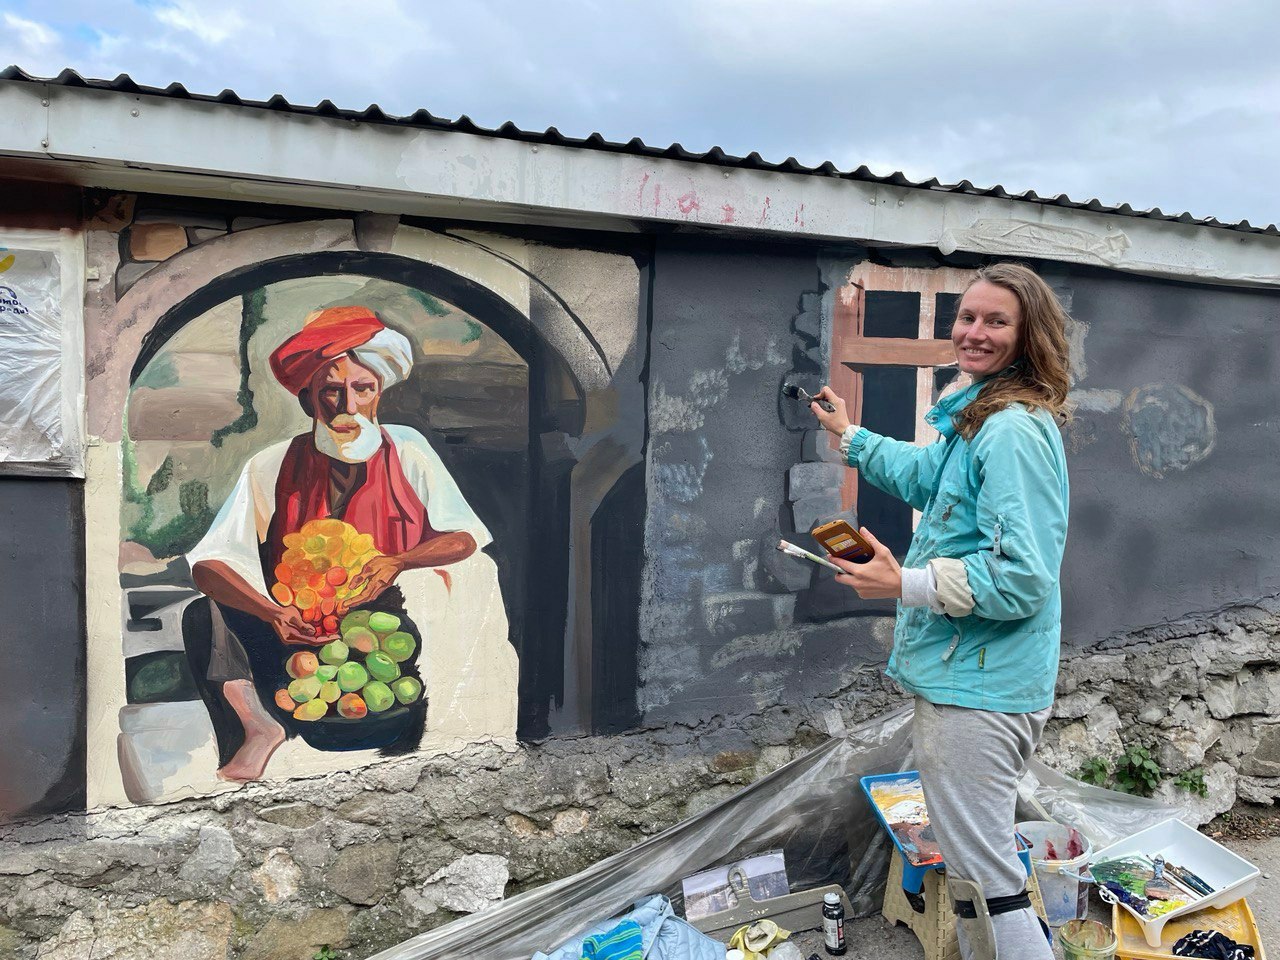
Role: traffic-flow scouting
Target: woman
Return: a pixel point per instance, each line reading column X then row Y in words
column 978, row 623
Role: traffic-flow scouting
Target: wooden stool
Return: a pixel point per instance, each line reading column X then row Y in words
column 936, row 927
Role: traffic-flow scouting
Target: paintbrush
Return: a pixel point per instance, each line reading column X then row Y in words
column 791, row 550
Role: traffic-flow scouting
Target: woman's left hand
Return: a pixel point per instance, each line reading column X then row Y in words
column 878, row 579
column 374, row 577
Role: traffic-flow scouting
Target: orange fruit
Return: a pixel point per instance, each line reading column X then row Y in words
column 310, row 528
column 336, row 576
column 292, row 556
column 284, row 572
column 306, row 599
column 321, row 563
column 327, row 603
column 313, row 615
column 299, row 579
column 293, row 541
column 284, row 701
column 334, row 546
column 283, row 595
column 362, row 543
column 330, row 625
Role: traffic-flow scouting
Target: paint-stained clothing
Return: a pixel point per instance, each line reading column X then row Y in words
column 468, row 665
column 994, row 524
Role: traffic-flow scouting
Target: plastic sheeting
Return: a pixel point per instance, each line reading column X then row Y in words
column 41, row 354
column 813, row 808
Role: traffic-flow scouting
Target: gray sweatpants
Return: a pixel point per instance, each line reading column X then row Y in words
column 969, row 762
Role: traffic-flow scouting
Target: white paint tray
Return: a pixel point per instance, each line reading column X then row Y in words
column 1231, row 877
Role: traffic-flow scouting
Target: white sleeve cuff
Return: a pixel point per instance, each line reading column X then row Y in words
column 845, row 439
column 920, row 588
column 951, row 580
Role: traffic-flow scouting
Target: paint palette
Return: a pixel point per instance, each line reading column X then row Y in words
column 1231, row 877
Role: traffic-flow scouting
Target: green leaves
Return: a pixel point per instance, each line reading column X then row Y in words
column 1136, row 772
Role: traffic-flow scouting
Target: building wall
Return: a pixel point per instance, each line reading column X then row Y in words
column 624, row 394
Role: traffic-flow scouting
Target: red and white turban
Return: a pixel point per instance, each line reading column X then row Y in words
column 328, row 334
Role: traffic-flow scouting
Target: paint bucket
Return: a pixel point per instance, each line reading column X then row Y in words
column 1087, row 940
column 1066, row 896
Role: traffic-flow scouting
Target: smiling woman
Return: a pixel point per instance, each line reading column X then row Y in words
column 978, row 619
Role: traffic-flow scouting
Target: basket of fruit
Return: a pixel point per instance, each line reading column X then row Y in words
column 361, row 688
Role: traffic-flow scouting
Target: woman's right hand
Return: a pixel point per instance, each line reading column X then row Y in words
column 838, row 420
column 293, row 630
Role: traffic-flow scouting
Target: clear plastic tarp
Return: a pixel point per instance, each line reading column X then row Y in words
column 813, row 808
column 41, row 353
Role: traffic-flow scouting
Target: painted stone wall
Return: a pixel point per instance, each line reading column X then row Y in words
column 610, row 410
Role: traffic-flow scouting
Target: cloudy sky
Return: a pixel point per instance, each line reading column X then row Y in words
column 1172, row 104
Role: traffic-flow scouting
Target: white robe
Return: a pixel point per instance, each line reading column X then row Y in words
column 469, row 669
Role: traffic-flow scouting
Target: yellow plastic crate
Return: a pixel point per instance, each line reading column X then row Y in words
column 1235, row 920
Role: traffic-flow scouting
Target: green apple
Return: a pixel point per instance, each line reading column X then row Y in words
column 330, row 692
column 383, row 623
column 334, row 652
column 407, row 689
column 356, row 618
column 377, row 695
column 398, row 646
column 381, row 667
column 327, row 672
column 304, row 689
column 352, row 676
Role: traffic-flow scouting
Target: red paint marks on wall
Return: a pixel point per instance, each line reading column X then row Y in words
column 657, row 197
column 764, row 211
column 728, row 214
column 644, row 181
column 688, row 203
column 800, row 216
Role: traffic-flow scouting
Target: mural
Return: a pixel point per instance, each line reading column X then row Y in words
column 348, row 513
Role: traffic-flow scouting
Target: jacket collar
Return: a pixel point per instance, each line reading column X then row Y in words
column 942, row 416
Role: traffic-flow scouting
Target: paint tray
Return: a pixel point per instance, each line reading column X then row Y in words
column 914, row 867
column 1235, row 920
column 1231, row 877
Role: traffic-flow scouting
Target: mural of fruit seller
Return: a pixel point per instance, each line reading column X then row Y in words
column 353, row 604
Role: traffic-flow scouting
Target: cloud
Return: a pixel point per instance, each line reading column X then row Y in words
column 215, row 28
column 1175, row 104
column 29, row 39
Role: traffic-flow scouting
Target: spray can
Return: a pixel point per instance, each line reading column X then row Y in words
column 833, row 924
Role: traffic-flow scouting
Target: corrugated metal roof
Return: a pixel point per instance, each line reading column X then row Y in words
column 636, row 147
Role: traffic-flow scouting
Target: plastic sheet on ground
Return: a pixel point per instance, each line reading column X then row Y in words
column 813, row 808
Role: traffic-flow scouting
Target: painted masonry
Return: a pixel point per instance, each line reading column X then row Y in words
column 631, row 648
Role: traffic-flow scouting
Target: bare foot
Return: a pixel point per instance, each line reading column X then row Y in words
column 262, row 735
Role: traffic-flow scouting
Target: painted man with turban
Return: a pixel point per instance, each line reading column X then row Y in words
column 385, row 481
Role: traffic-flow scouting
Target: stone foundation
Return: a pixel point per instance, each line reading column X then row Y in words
column 364, row 860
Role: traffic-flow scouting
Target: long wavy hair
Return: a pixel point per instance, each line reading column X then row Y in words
column 1039, row 377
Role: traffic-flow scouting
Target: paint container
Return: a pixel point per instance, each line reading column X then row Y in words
column 1066, row 897
column 1087, row 940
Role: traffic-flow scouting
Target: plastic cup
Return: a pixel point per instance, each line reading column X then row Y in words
column 1087, row 940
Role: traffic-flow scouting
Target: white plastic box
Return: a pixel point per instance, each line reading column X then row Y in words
column 1231, row 877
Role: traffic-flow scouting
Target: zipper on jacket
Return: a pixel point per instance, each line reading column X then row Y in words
column 999, row 532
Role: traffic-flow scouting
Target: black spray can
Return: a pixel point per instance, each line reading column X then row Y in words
column 833, row 924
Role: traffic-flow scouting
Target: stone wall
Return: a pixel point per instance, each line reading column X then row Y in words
column 364, row 860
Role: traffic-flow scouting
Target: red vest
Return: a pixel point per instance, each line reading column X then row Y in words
column 385, row 505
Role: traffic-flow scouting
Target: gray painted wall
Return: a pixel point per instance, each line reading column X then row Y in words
column 42, row 644
column 1142, row 549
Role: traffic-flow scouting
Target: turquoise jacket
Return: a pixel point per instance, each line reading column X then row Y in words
column 999, row 504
